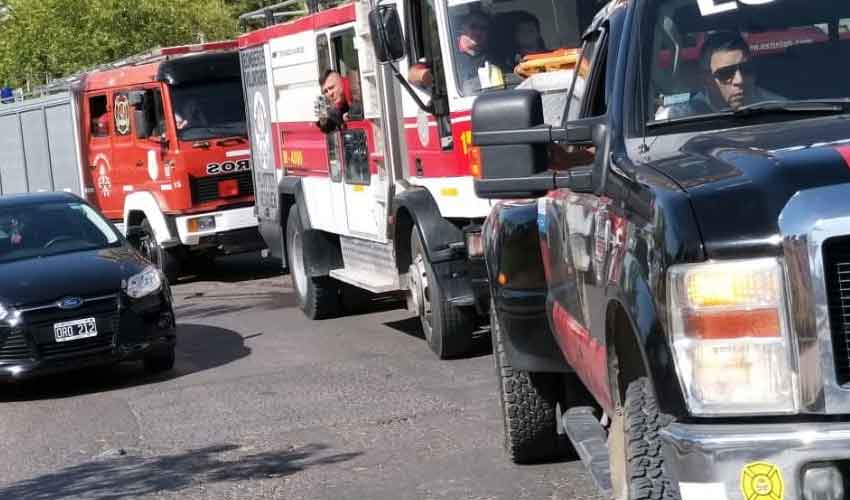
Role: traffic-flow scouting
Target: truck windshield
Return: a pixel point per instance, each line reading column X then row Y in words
column 725, row 59
column 209, row 110
column 498, row 44
column 32, row 231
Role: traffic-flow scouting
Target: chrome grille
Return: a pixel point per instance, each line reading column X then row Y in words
column 14, row 347
column 50, row 314
column 39, row 323
column 78, row 348
column 836, row 260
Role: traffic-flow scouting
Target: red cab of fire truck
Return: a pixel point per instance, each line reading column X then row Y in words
column 383, row 200
column 174, row 161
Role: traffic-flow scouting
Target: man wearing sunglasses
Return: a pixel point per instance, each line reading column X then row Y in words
column 729, row 78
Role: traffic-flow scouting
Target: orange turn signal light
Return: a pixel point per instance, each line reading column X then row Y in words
column 475, row 165
column 724, row 325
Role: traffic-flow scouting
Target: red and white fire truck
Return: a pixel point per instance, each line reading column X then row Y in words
column 157, row 141
column 384, row 203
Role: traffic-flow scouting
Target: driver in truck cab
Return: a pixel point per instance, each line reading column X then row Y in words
column 475, row 67
column 729, row 79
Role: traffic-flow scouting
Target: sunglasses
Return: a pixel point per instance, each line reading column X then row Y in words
column 726, row 74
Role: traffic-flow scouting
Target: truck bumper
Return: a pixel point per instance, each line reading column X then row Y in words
column 225, row 221
column 725, row 462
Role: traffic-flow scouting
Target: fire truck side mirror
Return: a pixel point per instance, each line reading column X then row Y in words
column 387, row 34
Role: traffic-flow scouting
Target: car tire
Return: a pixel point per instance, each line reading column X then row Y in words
column 318, row 297
column 448, row 329
column 165, row 259
column 528, row 401
column 160, row 361
column 637, row 460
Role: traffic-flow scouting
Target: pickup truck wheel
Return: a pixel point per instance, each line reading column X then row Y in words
column 528, row 403
column 319, row 297
column 165, row 259
column 447, row 329
column 637, row 460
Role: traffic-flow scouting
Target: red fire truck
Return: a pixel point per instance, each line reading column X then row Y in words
column 157, row 141
column 385, row 202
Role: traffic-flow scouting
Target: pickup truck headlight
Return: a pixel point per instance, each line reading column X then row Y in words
column 145, row 283
column 730, row 337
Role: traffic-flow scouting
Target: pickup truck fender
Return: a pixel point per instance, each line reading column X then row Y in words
column 634, row 318
column 512, row 252
column 142, row 205
column 322, row 250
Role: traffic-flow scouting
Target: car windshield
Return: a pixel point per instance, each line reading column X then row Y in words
column 499, row 44
column 711, row 59
column 209, row 110
column 31, row 231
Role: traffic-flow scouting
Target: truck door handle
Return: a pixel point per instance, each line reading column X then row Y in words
column 140, row 163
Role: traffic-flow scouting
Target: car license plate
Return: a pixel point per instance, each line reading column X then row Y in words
column 74, row 330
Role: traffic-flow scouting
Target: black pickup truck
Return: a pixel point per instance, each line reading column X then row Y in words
column 670, row 266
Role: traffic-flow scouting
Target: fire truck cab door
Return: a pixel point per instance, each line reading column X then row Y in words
column 98, row 132
column 361, row 191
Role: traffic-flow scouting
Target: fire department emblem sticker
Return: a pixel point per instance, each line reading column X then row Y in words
column 122, row 115
column 104, row 183
column 261, row 132
column 762, row 481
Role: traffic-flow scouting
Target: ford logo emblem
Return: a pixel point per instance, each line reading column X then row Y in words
column 70, row 303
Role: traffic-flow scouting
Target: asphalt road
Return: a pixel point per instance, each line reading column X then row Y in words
column 265, row 404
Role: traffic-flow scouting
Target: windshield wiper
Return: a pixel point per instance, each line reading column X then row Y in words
column 801, row 106
column 806, row 106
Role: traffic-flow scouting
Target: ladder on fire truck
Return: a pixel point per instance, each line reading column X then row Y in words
column 150, row 56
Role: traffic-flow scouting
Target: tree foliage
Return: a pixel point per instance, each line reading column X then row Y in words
column 52, row 38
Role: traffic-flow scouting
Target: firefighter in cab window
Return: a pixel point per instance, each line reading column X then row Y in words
column 477, row 66
column 338, row 102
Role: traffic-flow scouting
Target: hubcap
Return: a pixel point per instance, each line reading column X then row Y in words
column 420, row 293
column 299, row 275
column 148, row 248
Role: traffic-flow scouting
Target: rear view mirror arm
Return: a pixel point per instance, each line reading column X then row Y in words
column 428, row 108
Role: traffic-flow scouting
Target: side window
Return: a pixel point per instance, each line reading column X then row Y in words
column 324, row 52
column 356, row 157
column 99, row 115
column 155, row 114
column 346, row 63
column 596, row 100
column 424, row 40
column 582, row 79
column 334, row 166
column 121, row 113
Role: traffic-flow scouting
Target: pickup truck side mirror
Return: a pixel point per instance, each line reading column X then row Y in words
column 387, row 35
column 509, row 129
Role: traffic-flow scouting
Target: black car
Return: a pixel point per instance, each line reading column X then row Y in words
column 74, row 293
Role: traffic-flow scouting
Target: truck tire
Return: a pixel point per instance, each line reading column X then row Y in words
column 528, row 403
column 637, row 460
column 165, row 259
column 320, row 297
column 448, row 329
